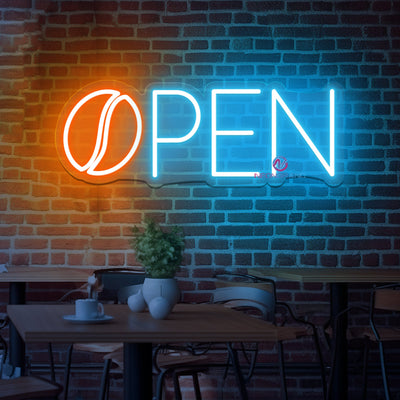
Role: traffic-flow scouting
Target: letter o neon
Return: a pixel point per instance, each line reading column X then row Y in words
column 103, row 132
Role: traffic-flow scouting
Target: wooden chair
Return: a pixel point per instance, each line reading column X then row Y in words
column 384, row 300
column 28, row 387
column 259, row 294
column 174, row 361
column 112, row 282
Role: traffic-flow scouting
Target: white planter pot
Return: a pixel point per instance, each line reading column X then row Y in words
column 166, row 288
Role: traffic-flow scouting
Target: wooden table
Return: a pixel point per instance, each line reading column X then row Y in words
column 187, row 323
column 338, row 278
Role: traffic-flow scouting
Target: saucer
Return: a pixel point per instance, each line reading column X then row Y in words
column 97, row 320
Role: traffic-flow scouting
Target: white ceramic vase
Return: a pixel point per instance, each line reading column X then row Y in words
column 159, row 308
column 166, row 288
column 136, row 302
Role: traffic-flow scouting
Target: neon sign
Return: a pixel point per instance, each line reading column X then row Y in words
column 102, row 132
column 225, row 136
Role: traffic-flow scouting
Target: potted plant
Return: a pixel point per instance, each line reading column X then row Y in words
column 160, row 252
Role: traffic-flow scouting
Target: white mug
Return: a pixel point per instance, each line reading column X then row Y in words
column 86, row 309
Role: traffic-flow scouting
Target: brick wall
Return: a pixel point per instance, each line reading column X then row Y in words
column 51, row 49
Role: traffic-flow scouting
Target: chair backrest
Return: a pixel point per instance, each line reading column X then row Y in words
column 259, row 296
column 387, row 299
column 127, row 291
column 113, row 280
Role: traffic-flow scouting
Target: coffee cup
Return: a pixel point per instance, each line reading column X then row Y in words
column 86, row 309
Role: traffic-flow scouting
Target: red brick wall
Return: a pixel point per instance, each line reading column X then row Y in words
column 51, row 49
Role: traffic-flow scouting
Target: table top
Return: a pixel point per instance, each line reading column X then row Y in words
column 331, row 275
column 48, row 274
column 187, row 322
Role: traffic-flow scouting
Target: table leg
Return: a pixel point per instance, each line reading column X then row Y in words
column 339, row 302
column 137, row 371
column 17, row 345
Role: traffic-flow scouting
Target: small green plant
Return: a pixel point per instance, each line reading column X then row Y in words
column 160, row 252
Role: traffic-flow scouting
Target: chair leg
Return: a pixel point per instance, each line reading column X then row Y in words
column 105, row 380
column 238, row 372
column 365, row 369
column 196, row 385
column 284, row 395
column 177, row 387
column 67, row 371
column 320, row 361
column 383, row 368
column 160, row 384
column 52, row 369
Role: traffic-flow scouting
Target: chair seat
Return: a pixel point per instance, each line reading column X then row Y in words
column 27, row 387
column 363, row 332
column 352, row 333
column 386, row 334
column 98, row 347
column 172, row 360
column 164, row 361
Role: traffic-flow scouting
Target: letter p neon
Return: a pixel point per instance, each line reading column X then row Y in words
column 156, row 139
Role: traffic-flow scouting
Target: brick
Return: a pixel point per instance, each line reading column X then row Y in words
column 233, row 204
column 319, row 204
column 287, row 244
column 223, row 259
column 315, row 244
column 20, row 259
column 213, row 244
column 21, row 204
column 69, row 244
column 203, row 259
column 350, row 260
column 286, row 230
column 66, row 231
column 184, row 218
column 39, row 258
column 86, row 45
column 192, row 204
column 314, row 230
column 250, row 244
column 358, row 218
column 313, row 217
column 369, row 244
column 152, row 204
column 285, row 260
column 345, row 231
column 16, row 188
column 336, row 244
column 274, row 205
column 169, row 45
column 246, row 217
column 237, row 230
column 370, row 260
column 383, row 231
column 265, row 5
column 390, row 259
column 275, row 217
column 381, row 204
column 263, row 230
column 190, row 230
